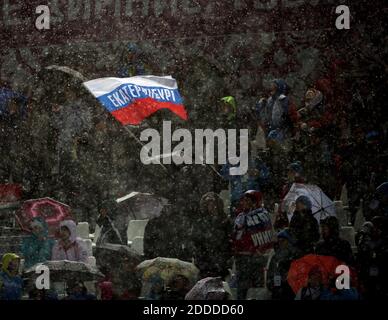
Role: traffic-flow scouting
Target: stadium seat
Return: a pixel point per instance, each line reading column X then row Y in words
column 341, row 213
column 96, row 234
column 138, row 245
column 359, row 220
column 349, row 234
column 83, row 230
column 88, row 246
column 136, row 229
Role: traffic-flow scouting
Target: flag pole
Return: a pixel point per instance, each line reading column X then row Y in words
column 215, row 170
column 141, row 144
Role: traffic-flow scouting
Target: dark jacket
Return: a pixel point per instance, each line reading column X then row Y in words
column 169, row 234
column 305, row 230
column 109, row 233
column 336, row 247
column 211, row 239
column 278, row 267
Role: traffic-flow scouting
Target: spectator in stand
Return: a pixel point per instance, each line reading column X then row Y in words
column 332, row 244
column 294, row 175
column 372, row 243
column 252, row 237
column 177, row 288
column 38, row 246
column 314, row 115
column 132, row 63
column 334, row 294
column 11, row 284
column 78, row 291
column 108, row 232
column 315, row 288
column 68, row 246
column 285, row 253
column 277, row 115
column 303, row 226
column 210, row 234
column 379, row 206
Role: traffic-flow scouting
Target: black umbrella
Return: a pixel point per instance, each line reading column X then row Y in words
column 111, row 255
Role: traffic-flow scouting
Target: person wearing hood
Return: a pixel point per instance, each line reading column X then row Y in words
column 229, row 109
column 38, row 246
column 303, row 226
column 210, row 234
column 285, row 253
column 314, row 116
column 108, row 232
column 68, row 246
column 11, row 284
column 332, row 244
column 277, row 115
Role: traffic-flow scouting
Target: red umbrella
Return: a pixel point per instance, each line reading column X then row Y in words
column 52, row 211
column 300, row 269
column 10, row 192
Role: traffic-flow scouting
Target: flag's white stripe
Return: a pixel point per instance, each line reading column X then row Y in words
column 103, row 86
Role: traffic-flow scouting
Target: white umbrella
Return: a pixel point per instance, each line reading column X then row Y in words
column 322, row 205
column 142, row 206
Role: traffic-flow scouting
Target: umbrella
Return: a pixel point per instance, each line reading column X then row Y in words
column 167, row 269
column 10, row 192
column 207, row 289
column 51, row 210
column 65, row 270
column 299, row 270
column 109, row 255
column 142, row 206
column 322, row 205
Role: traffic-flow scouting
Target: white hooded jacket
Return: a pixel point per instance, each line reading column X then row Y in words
column 76, row 252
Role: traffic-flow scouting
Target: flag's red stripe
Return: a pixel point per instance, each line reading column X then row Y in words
column 141, row 109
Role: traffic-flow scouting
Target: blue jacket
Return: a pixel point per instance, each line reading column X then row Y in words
column 11, row 288
column 340, row 295
column 35, row 249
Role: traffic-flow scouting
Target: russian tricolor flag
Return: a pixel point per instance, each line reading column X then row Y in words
column 131, row 100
